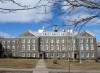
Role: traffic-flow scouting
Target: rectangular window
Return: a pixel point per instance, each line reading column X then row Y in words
column 8, row 47
column 46, row 40
column 63, row 54
column 91, row 40
column 52, row 54
column 92, row 47
column 87, row 55
column 28, row 54
column 33, row 54
column 57, row 40
column 81, row 46
column 28, row 47
column 52, row 40
column 82, row 54
column 63, row 47
column 81, row 40
column 23, row 54
column 8, row 42
column 23, row 47
column 33, row 47
column 46, row 54
column 86, row 40
column 23, row 40
column 3, row 42
column 87, row 47
column 92, row 54
column 63, row 40
column 13, row 48
column 13, row 42
column 57, row 47
column 46, row 47
column 28, row 40
column 33, row 40
column 51, row 47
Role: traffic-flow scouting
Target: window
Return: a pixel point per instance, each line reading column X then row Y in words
column 33, row 47
column 13, row 42
column 33, row 40
column 82, row 54
column 57, row 47
column 63, row 54
column 74, row 41
column 57, row 40
column 63, row 41
column 23, row 40
column 8, row 47
column 87, row 47
column 92, row 54
column 46, row 47
column 81, row 40
column 23, row 47
column 46, row 54
column 87, row 55
column 13, row 48
column 52, row 54
column 81, row 46
column 74, row 47
column 14, row 54
column 28, row 40
column 51, row 47
column 92, row 47
column 63, row 47
column 52, row 40
column 28, row 47
column 86, row 40
column 46, row 40
column 8, row 42
column 91, row 40
column 33, row 54
column 57, row 54
column 3, row 42
column 23, row 54
column 28, row 54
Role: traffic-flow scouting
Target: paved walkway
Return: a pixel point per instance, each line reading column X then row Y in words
column 40, row 67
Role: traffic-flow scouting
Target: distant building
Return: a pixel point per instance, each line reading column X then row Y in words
column 98, row 49
column 49, row 44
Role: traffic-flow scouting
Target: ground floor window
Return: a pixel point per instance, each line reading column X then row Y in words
column 33, row 54
column 23, row 54
column 28, row 54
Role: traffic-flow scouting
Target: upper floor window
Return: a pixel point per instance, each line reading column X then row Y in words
column 57, row 40
column 13, row 47
column 57, row 47
column 92, row 47
column 87, row 47
column 28, row 40
column 86, row 40
column 23, row 40
column 3, row 42
column 91, row 40
column 81, row 46
column 33, row 47
column 46, row 40
column 13, row 42
column 51, row 47
column 52, row 40
column 23, row 47
column 63, row 54
column 46, row 47
column 8, row 42
column 28, row 47
column 63, row 47
column 63, row 40
column 81, row 40
column 33, row 40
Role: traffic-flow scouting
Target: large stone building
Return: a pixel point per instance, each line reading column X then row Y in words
column 49, row 44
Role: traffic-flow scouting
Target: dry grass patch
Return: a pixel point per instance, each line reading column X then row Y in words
column 64, row 64
column 18, row 63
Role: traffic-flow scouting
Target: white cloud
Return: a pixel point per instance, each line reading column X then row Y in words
column 25, row 15
column 3, row 34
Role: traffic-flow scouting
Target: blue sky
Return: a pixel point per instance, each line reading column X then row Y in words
column 13, row 24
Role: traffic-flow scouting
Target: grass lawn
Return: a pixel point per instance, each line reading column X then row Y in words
column 64, row 64
column 18, row 63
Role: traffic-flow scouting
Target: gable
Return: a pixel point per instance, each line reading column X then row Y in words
column 86, row 33
column 27, row 34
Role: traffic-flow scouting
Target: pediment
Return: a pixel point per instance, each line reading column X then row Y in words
column 86, row 33
column 27, row 34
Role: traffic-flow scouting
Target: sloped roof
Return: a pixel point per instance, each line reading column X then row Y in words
column 27, row 33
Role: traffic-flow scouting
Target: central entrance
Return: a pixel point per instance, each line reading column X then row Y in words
column 41, row 55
